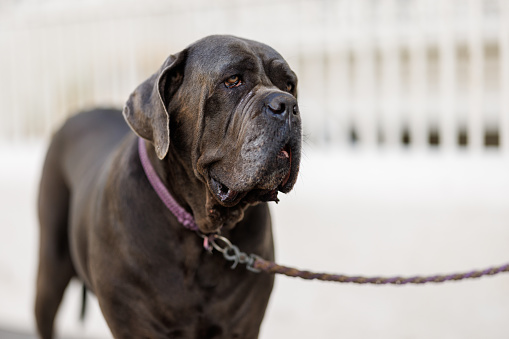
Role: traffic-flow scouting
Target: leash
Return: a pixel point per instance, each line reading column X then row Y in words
column 256, row 264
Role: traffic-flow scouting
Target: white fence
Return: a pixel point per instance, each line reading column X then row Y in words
column 372, row 72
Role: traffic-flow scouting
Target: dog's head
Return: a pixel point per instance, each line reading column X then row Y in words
column 227, row 107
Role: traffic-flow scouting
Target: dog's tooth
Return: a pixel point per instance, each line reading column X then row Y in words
column 231, row 195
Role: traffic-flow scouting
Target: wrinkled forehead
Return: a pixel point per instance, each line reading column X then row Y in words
column 219, row 55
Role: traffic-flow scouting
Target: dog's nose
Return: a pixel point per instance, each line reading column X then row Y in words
column 280, row 105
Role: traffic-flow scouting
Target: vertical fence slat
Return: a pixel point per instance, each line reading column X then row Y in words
column 4, row 86
column 62, row 68
column 390, row 88
column 418, row 105
column 503, row 41
column 44, row 59
column 335, row 84
column 447, row 66
column 22, row 52
column 364, row 83
column 475, row 120
column 336, row 76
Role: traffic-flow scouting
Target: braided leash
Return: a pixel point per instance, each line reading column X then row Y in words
column 256, row 264
column 271, row 267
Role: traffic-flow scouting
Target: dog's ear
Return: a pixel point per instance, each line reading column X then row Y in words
column 145, row 110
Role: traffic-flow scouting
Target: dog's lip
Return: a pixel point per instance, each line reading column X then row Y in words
column 228, row 197
column 286, row 153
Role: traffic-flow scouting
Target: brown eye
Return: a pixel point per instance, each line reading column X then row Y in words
column 233, row 81
column 289, row 86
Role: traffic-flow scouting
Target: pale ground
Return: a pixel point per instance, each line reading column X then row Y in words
column 370, row 214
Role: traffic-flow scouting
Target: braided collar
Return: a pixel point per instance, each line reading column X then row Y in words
column 185, row 218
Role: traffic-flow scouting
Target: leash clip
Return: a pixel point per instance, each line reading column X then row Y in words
column 230, row 251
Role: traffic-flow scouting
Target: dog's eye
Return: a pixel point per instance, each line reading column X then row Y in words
column 289, row 86
column 233, row 81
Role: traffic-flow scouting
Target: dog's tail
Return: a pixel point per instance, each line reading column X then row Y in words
column 83, row 303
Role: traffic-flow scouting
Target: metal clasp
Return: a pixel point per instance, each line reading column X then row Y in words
column 230, row 252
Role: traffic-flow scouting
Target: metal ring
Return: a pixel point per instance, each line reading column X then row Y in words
column 223, row 239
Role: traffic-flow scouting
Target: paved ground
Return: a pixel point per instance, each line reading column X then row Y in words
column 15, row 335
column 383, row 214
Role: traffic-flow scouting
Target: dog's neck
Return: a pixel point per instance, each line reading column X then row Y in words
column 191, row 194
column 183, row 216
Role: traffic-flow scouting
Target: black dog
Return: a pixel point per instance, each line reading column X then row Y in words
column 222, row 129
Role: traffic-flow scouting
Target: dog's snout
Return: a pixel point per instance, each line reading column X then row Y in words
column 281, row 104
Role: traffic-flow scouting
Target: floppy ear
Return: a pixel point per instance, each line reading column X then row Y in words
column 145, row 110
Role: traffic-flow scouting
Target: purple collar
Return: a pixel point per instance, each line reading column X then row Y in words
column 181, row 214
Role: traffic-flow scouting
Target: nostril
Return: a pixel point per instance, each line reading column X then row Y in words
column 279, row 108
column 279, row 105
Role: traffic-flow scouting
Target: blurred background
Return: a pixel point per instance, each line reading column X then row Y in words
column 405, row 105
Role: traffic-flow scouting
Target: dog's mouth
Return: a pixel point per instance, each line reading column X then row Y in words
column 277, row 180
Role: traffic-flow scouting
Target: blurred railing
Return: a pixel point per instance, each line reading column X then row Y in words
column 373, row 73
